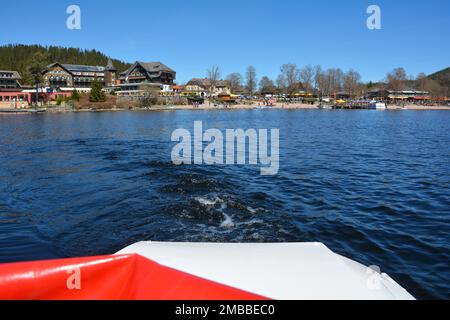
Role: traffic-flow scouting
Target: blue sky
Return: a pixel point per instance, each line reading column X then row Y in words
column 190, row 36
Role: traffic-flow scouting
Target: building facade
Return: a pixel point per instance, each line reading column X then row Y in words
column 406, row 95
column 201, row 87
column 110, row 74
column 73, row 76
column 148, row 72
column 10, row 81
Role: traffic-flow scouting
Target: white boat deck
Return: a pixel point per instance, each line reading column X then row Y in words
column 284, row 271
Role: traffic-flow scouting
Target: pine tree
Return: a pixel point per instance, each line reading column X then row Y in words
column 97, row 95
column 59, row 100
column 75, row 95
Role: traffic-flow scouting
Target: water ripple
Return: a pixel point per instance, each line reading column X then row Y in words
column 373, row 186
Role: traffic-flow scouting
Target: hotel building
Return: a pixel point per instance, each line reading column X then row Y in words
column 80, row 77
column 145, row 74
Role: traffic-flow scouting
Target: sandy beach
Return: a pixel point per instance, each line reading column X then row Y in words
column 294, row 106
column 415, row 107
column 260, row 105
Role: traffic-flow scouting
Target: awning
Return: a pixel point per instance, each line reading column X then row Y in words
column 398, row 97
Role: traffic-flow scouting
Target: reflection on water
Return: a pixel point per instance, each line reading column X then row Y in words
column 373, row 186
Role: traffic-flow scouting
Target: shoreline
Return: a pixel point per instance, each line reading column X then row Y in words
column 207, row 107
column 256, row 106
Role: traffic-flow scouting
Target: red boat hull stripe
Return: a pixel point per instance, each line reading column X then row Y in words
column 121, row 277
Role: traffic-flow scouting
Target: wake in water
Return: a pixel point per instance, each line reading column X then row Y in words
column 220, row 206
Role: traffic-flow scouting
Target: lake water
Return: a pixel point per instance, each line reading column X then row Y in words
column 373, row 186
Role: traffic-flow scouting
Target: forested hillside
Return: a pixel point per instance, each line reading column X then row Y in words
column 20, row 57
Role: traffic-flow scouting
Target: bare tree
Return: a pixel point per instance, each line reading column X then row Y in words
column 150, row 95
column 435, row 89
column 351, row 82
column 251, row 80
column 421, row 82
column 307, row 77
column 396, row 79
column 319, row 80
column 424, row 83
column 281, row 84
column 235, row 80
column 213, row 77
column 266, row 86
column 289, row 77
column 334, row 79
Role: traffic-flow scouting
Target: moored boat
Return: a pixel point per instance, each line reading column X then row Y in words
column 375, row 105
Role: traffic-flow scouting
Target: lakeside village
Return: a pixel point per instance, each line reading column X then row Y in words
column 148, row 86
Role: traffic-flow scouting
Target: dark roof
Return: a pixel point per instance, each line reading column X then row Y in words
column 150, row 67
column 110, row 66
column 222, row 83
column 198, row 82
column 155, row 66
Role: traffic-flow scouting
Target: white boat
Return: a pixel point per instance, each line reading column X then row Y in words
column 325, row 107
column 375, row 105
